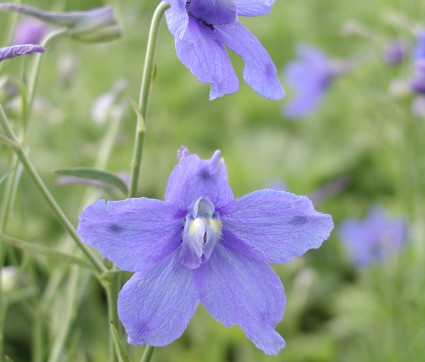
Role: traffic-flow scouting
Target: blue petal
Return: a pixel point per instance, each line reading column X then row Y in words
column 237, row 289
column 155, row 309
column 194, row 178
column 214, row 12
column 274, row 226
column 136, row 234
column 177, row 18
column 254, row 7
column 260, row 72
column 206, row 58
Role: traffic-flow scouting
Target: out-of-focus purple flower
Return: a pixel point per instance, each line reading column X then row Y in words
column 29, row 31
column 278, row 185
column 202, row 28
column 419, row 50
column 202, row 245
column 310, row 75
column 374, row 239
column 417, row 82
column 395, row 52
column 17, row 50
column 111, row 104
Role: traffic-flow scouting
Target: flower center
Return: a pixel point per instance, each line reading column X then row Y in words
column 202, row 230
column 213, row 12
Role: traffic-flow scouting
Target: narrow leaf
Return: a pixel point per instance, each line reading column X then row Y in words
column 105, row 177
column 140, row 120
column 43, row 250
column 119, row 347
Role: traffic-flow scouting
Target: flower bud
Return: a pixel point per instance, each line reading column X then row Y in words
column 96, row 25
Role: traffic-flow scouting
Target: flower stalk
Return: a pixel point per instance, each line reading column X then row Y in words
column 144, row 96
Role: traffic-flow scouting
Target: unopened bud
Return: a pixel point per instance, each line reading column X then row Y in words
column 96, row 25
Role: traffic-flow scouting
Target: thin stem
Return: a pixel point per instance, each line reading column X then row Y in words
column 47, row 195
column 144, row 95
column 112, row 315
column 147, row 354
column 33, row 81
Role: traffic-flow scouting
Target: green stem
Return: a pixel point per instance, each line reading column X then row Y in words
column 144, row 95
column 33, row 80
column 46, row 193
column 147, row 354
column 112, row 315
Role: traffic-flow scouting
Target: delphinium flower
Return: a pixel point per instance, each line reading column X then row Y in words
column 373, row 239
column 310, row 76
column 202, row 28
column 17, row 50
column 203, row 245
column 29, row 31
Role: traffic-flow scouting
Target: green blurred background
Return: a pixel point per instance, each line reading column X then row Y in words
column 334, row 311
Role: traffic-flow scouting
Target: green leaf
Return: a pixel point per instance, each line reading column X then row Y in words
column 140, row 121
column 86, row 173
column 119, row 347
column 43, row 250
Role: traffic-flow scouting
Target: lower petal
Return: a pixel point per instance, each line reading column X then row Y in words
column 260, row 72
column 155, row 308
column 237, row 289
column 207, row 59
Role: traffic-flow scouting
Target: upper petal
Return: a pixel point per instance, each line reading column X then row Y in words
column 213, row 12
column 254, row 7
column 260, row 72
column 177, row 18
column 194, row 178
column 274, row 226
column 206, row 58
column 156, row 308
column 237, row 289
column 136, row 234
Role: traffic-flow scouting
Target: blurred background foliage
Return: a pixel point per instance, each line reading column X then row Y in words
column 334, row 312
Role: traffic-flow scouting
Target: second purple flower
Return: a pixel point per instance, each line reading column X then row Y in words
column 202, row 28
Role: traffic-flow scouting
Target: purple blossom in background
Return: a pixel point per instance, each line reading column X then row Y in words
column 310, row 75
column 395, row 52
column 374, row 239
column 17, row 50
column 419, row 50
column 29, row 31
column 202, row 245
column 202, row 28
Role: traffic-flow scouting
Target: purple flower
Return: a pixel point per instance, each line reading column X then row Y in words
column 395, row 52
column 373, row 239
column 17, row 50
column 29, row 31
column 202, row 245
column 310, row 76
column 419, row 50
column 202, row 28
